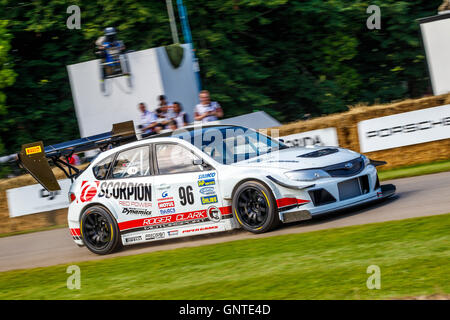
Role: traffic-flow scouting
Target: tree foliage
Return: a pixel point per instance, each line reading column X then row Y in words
column 286, row 57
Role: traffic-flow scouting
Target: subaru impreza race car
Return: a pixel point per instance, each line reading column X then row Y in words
column 200, row 180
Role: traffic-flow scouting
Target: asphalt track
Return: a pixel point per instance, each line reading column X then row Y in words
column 416, row 197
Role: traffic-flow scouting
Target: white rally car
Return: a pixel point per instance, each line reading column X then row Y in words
column 208, row 179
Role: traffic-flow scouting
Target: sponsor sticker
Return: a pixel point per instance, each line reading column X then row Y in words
column 136, row 204
column 200, row 229
column 172, row 233
column 207, row 175
column 154, row 236
column 214, row 214
column 126, row 191
column 207, row 190
column 167, row 211
column 209, row 199
column 88, row 190
column 133, row 239
column 206, row 182
column 165, row 196
column 166, row 204
column 142, row 212
column 33, row 150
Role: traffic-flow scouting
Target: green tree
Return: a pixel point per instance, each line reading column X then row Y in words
column 7, row 77
column 286, row 57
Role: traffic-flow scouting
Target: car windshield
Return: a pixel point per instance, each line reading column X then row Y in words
column 230, row 144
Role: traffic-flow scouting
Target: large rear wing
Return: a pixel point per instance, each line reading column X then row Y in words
column 35, row 158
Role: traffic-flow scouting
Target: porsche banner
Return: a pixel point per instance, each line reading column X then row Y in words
column 404, row 129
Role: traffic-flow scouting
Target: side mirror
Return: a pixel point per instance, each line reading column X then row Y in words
column 198, row 162
column 281, row 140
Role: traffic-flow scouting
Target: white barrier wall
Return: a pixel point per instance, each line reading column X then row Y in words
column 34, row 199
column 436, row 41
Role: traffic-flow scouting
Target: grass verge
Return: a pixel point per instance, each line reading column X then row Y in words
column 412, row 255
column 416, row 170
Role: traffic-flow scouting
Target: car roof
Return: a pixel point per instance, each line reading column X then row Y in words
column 192, row 128
column 163, row 137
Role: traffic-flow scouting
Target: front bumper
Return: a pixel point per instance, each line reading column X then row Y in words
column 340, row 193
column 298, row 214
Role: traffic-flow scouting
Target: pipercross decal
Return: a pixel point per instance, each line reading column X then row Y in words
column 88, row 190
column 126, row 191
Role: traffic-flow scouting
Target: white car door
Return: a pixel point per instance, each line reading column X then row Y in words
column 185, row 191
column 128, row 191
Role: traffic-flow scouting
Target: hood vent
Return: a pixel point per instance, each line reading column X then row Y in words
column 319, row 153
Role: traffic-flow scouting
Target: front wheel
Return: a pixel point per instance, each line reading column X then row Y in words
column 254, row 207
column 99, row 230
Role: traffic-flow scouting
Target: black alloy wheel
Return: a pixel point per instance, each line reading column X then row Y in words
column 99, row 230
column 255, row 207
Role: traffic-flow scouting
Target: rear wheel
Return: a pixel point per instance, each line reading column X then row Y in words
column 99, row 230
column 254, row 207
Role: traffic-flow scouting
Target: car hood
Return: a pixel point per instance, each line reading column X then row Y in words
column 296, row 158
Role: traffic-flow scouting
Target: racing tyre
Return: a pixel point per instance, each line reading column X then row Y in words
column 255, row 208
column 99, row 230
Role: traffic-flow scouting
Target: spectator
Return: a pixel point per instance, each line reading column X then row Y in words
column 207, row 110
column 74, row 160
column 181, row 117
column 163, row 120
column 149, row 121
column 165, row 107
column 172, row 125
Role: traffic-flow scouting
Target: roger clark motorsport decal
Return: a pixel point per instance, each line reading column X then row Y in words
column 164, row 221
column 126, row 191
column 214, row 214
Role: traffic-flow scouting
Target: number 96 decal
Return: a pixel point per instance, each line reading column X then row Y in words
column 186, row 195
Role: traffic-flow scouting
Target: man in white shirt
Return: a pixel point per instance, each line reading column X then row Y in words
column 149, row 121
column 207, row 110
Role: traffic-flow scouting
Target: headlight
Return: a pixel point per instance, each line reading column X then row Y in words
column 307, row 175
column 366, row 160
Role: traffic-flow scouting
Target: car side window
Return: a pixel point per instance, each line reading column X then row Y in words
column 101, row 169
column 132, row 163
column 173, row 158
